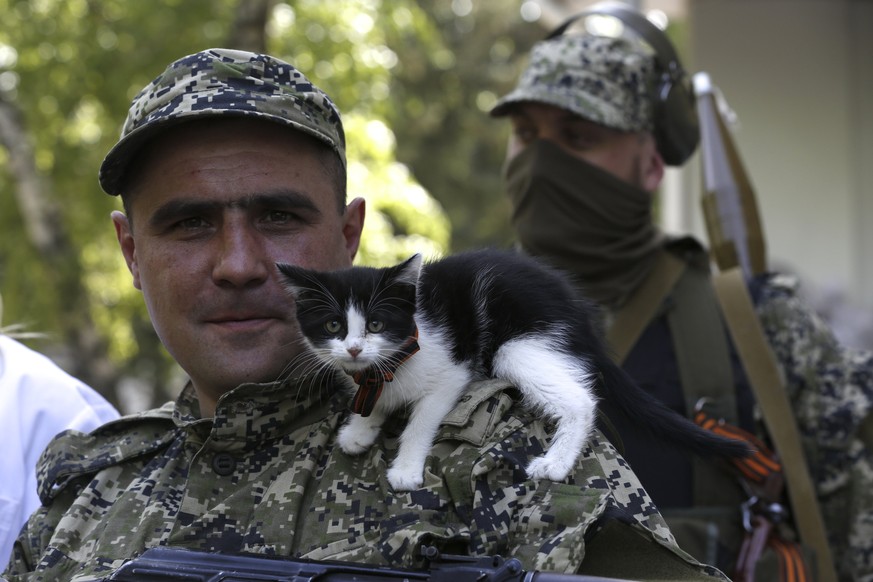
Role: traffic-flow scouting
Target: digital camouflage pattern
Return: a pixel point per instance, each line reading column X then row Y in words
column 218, row 82
column 266, row 476
column 606, row 80
column 831, row 390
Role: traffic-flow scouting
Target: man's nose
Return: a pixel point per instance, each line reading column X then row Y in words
column 242, row 260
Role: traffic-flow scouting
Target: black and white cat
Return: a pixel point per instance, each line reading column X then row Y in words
column 473, row 315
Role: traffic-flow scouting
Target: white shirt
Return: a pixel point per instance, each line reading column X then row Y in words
column 37, row 401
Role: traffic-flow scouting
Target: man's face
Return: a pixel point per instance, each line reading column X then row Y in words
column 630, row 156
column 213, row 207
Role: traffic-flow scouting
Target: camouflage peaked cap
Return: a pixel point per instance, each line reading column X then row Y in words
column 218, row 82
column 606, row 80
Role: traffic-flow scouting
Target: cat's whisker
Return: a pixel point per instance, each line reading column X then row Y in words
column 304, row 364
column 327, row 295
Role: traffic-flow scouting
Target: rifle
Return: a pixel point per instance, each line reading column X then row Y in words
column 166, row 564
column 729, row 204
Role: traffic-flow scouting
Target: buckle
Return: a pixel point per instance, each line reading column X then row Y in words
column 754, row 506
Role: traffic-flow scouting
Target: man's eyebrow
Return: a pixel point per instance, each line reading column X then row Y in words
column 518, row 113
column 571, row 117
column 280, row 199
column 580, row 123
column 286, row 199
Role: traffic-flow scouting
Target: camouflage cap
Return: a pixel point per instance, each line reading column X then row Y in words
column 219, row 82
column 604, row 79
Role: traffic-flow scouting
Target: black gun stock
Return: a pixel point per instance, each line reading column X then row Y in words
column 166, row 564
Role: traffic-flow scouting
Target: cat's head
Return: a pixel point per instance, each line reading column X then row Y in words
column 356, row 317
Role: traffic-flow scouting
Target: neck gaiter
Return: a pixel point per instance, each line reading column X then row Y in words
column 582, row 220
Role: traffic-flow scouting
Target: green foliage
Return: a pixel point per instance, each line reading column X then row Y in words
column 342, row 47
column 430, row 69
column 402, row 219
column 442, row 90
column 71, row 68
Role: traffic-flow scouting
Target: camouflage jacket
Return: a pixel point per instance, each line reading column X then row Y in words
column 831, row 389
column 266, row 476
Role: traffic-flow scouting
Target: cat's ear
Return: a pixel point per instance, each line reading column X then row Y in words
column 409, row 270
column 295, row 279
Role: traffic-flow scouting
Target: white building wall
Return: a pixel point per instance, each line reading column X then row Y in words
column 799, row 74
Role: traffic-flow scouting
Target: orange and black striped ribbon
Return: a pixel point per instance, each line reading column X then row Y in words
column 759, row 469
column 756, row 467
column 371, row 380
column 791, row 565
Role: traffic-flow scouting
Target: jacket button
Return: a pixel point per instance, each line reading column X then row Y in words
column 223, row 464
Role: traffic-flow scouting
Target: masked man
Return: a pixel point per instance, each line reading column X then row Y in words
column 591, row 135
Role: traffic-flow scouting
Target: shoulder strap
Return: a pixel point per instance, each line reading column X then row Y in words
column 768, row 386
column 702, row 349
column 695, row 315
column 636, row 314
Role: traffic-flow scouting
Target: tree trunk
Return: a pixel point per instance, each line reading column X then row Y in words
column 45, row 230
column 248, row 31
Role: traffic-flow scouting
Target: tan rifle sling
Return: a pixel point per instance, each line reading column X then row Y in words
column 636, row 314
column 768, row 385
column 692, row 316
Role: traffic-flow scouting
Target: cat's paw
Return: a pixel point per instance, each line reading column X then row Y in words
column 405, row 479
column 354, row 438
column 552, row 469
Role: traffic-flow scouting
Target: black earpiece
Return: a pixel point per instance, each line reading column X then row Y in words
column 676, row 130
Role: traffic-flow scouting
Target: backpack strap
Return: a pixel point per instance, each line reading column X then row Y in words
column 703, row 353
column 703, row 358
column 767, row 382
column 680, row 287
column 635, row 315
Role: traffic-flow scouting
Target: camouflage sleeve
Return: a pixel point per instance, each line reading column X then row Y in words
column 831, row 389
column 66, row 467
column 548, row 525
column 28, row 547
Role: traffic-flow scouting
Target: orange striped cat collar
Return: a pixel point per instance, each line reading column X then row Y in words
column 371, row 380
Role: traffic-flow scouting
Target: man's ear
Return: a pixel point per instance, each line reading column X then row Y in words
column 127, row 243
column 353, row 225
column 653, row 167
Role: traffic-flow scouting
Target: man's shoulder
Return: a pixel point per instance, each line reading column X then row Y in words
column 785, row 315
column 776, row 296
column 73, row 454
column 493, row 435
column 492, row 417
column 480, row 412
column 497, row 434
column 689, row 250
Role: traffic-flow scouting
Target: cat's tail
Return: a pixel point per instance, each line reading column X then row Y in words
column 620, row 393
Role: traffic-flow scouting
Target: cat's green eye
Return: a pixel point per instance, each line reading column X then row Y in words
column 375, row 326
column 333, row 326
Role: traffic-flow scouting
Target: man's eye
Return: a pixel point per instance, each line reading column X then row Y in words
column 579, row 140
column 279, row 216
column 525, row 134
column 192, row 223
